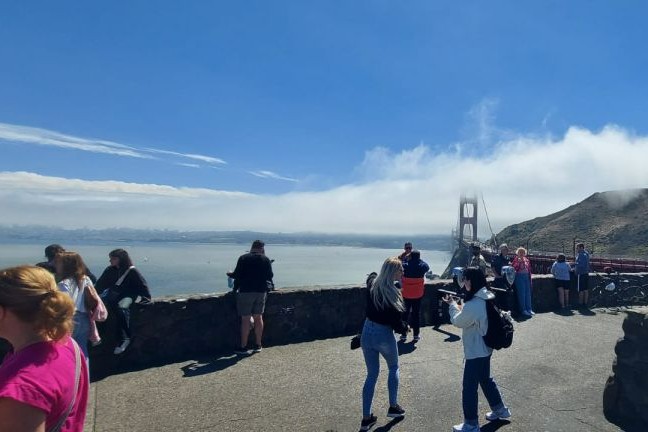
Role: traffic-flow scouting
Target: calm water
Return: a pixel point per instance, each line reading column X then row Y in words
column 180, row 268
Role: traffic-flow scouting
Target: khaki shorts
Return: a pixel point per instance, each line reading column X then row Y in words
column 250, row 303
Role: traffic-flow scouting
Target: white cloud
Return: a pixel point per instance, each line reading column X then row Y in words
column 414, row 191
column 38, row 136
column 271, row 175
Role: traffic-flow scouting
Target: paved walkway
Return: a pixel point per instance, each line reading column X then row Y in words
column 552, row 378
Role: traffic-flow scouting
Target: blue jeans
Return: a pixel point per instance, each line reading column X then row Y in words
column 477, row 373
column 378, row 339
column 81, row 331
column 523, row 288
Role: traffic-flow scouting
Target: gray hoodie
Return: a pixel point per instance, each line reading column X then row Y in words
column 473, row 321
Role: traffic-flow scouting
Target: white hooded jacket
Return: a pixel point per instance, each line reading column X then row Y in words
column 473, row 321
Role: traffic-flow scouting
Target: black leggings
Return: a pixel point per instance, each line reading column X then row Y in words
column 412, row 314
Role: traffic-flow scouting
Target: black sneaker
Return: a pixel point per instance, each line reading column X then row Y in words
column 365, row 425
column 241, row 350
column 257, row 349
column 396, row 411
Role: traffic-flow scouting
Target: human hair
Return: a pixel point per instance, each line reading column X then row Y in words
column 124, row 258
column 384, row 292
column 477, row 281
column 520, row 249
column 415, row 255
column 30, row 292
column 407, row 245
column 580, row 246
column 52, row 250
column 257, row 244
column 561, row 257
column 72, row 266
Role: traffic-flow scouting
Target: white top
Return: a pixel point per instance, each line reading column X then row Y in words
column 473, row 321
column 70, row 286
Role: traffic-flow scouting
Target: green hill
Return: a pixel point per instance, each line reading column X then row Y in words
column 609, row 223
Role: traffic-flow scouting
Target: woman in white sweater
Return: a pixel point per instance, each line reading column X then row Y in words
column 471, row 317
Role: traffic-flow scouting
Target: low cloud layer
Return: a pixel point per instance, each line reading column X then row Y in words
column 414, row 191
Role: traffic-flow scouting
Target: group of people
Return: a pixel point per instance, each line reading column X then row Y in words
column 386, row 314
column 562, row 271
column 48, row 314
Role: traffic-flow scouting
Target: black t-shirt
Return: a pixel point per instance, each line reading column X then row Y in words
column 253, row 272
column 498, row 262
column 390, row 316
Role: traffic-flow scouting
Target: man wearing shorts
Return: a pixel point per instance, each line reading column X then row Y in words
column 253, row 275
column 582, row 274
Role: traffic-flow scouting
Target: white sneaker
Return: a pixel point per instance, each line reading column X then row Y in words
column 121, row 348
column 501, row 414
column 417, row 338
column 463, row 427
column 402, row 339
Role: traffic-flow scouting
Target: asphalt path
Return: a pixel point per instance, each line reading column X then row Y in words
column 552, row 378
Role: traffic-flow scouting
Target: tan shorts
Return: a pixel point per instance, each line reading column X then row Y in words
column 250, row 303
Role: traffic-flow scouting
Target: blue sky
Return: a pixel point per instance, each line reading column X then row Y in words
column 308, row 103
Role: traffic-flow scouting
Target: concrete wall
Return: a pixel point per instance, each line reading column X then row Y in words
column 625, row 399
column 180, row 328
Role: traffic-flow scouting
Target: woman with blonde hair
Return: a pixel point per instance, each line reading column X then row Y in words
column 44, row 380
column 384, row 317
column 522, row 267
column 73, row 280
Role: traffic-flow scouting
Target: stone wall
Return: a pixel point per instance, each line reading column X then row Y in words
column 625, row 398
column 181, row 328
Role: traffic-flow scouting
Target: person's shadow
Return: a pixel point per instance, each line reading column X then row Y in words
column 451, row 336
column 494, row 425
column 587, row 312
column 406, row 347
column 198, row 367
column 388, row 426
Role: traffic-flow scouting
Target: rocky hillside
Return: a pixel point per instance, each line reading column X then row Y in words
column 609, row 223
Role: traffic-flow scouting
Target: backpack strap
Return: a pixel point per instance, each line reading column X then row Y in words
column 77, row 377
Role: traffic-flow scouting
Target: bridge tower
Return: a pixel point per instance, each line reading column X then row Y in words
column 467, row 217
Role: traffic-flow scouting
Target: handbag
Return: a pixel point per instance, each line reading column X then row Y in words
column 111, row 295
column 355, row 341
column 90, row 297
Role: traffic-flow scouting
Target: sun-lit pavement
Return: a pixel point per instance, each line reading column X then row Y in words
column 552, row 378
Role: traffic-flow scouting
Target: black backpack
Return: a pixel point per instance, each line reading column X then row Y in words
column 500, row 327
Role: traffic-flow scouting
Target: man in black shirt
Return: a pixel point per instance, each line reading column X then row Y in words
column 50, row 254
column 253, row 275
column 497, row 263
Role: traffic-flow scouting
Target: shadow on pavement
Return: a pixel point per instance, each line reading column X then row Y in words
column 451, row 336
column 198, row 368
column 405, row 348
column 494, row 425
column 587, row 312
column 389, row 425
column 564, row 312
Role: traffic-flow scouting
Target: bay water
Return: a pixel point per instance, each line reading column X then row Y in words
column 185, row 268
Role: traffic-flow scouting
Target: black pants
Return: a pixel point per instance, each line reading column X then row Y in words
column 412, row 314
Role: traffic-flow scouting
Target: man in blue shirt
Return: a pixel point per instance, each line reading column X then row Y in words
column 581, row 269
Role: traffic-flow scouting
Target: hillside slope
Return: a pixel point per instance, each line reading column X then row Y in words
column 609, row 223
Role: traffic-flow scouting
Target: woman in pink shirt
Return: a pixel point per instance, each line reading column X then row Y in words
column 44, row 381
column 522, row 267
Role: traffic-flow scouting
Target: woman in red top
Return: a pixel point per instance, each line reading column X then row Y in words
column 522, row 267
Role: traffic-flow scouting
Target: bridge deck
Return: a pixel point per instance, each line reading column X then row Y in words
column 552, row 378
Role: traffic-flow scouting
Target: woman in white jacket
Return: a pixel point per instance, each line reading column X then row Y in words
column 471, row 317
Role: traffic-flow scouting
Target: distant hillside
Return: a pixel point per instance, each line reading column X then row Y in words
column 47, row 235
column 609, row 223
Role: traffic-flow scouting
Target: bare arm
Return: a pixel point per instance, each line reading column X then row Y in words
column 19, row 417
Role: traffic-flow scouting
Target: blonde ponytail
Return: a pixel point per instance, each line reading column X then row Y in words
column 31, row 294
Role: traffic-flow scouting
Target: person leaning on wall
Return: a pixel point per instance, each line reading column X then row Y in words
column 120, row 285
